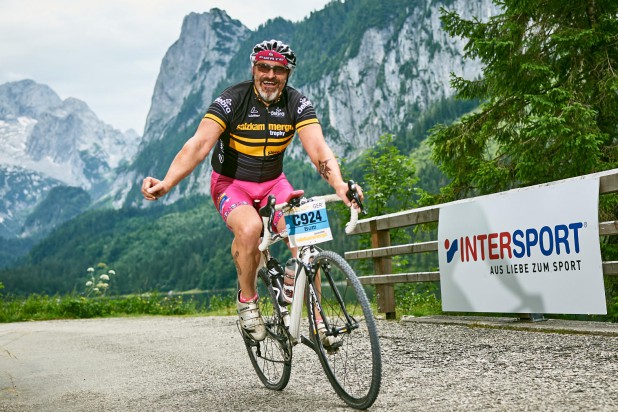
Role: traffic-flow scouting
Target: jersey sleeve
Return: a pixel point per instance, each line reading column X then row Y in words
column 221, row 109
column 305, row 113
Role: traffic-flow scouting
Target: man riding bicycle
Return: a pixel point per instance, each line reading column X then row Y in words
column 249, row 126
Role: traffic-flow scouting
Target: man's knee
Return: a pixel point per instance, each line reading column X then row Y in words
column 248, row 233
column 247, row 230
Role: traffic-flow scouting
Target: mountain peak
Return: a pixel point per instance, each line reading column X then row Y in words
column 213, row 39
column 27, row 98
column 53, row 142
column 365, row 77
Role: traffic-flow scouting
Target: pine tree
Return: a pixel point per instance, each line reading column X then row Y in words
column 549, row 94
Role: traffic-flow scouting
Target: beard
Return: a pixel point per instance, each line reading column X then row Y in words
column 271, row 92
column 268, row 97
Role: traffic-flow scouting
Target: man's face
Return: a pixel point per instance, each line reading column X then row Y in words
column 269, row 79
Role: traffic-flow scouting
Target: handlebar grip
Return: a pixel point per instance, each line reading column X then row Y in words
column 351, row 225
column 352, row 195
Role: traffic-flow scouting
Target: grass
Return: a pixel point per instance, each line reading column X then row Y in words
column 414, row 299
column 422, row 299
column 417, row 299
column 43, row 307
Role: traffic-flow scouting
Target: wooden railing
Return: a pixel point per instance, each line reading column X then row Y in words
column 382, row 251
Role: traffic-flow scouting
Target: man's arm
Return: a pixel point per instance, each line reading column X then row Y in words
column 192, row 154
column 324, row 159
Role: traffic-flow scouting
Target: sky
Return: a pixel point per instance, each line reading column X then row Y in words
column 108, row 52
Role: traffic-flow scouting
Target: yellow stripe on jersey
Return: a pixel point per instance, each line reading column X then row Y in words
column 255, row 146
column 246, row 149
column 250, row 141
column 216, row 119
column 247, row 145
column 280, row 140
column 305, row 123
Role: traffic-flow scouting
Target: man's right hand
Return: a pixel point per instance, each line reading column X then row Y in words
column 152, row 188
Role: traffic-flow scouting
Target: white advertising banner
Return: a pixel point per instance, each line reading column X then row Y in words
column 531, row 250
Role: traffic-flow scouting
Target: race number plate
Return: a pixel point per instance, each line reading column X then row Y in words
column 308, row 224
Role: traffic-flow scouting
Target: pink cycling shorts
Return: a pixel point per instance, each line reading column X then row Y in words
column 229, row 193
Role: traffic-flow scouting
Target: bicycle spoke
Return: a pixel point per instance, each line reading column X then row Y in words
column 349, row 351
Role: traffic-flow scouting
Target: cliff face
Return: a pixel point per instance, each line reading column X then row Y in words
column 399, row 72
column 198, row 60
column 365, row 76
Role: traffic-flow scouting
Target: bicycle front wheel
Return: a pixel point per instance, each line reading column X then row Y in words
column 272, row 357
column 343, row 331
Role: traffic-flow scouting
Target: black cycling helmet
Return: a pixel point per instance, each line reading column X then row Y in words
column 276, row 46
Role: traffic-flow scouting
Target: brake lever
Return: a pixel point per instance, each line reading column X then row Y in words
column 268, row 211
column 352, row 195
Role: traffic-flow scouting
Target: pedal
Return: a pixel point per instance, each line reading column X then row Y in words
column 245, row 335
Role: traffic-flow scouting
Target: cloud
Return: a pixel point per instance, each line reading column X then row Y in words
column 108, row 52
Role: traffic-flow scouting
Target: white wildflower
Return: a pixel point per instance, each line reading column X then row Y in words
column 90, row 270
column 111, row 272
column 89, row 283
column 104, row 277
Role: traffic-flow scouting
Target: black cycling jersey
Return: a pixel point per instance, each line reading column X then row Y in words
column 255, row 136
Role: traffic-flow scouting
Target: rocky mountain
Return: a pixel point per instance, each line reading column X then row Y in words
column 368, row 67
column 191, row 70
column 48, row 142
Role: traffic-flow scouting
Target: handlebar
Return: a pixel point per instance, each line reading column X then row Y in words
column 268, row 211
column 352, row 195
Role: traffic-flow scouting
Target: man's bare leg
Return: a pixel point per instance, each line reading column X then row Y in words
column 246, row 226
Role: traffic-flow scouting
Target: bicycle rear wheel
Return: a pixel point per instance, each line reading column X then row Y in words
column 351, row 359
column 272, row 357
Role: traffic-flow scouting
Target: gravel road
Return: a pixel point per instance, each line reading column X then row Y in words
column 200, row 364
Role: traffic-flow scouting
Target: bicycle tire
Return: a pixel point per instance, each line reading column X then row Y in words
column 272, row 357
column 354, row 369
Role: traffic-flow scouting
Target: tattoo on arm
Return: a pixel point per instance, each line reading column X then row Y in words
column 324, row 169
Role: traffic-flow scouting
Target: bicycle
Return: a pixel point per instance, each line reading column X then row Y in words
column 342, row 329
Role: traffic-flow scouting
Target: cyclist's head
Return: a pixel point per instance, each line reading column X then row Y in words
column 274, row 51
column 272, row 62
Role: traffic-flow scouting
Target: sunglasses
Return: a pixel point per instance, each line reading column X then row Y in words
column 266, row 68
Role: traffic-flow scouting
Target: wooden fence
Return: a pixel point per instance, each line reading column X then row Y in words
column 382, row 251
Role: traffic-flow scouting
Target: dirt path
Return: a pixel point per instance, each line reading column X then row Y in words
column 200, row 364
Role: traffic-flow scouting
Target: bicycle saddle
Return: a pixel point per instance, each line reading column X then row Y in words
column 294, row 195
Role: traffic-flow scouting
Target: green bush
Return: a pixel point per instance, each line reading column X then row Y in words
column 418, row 299
column 222, row 304
column 611, row 292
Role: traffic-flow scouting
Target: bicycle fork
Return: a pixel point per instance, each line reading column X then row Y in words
column 297, row 307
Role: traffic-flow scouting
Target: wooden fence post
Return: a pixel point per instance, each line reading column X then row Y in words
column 383, row 266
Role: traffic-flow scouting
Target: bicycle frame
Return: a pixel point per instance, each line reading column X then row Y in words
column 351, row 360
column 305, row 255
column 299, row 292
